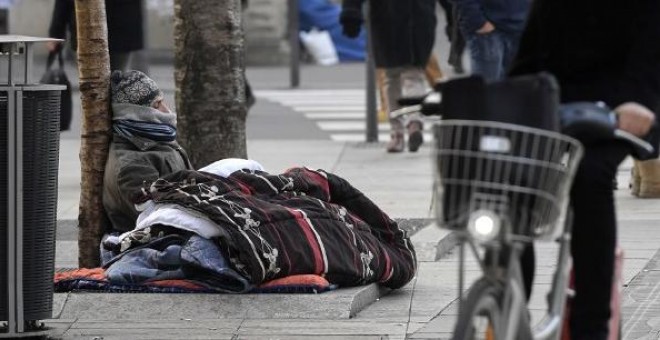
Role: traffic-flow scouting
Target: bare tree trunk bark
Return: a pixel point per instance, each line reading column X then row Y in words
column 94, row 72
column 210, row 82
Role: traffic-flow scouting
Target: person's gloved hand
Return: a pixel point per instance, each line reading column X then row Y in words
column 351, row 20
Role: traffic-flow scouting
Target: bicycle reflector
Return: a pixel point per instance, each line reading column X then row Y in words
column 484, row 225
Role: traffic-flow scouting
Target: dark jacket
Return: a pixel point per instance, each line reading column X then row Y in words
column 403, row 31
column 124, row 18
column 299, row 222
column 598, row 50
column 505, row 15
column 132, row 163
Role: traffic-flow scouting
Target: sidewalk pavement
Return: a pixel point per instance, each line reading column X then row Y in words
column 425, row 308
column 401, row 185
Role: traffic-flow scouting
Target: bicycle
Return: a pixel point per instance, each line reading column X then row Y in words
column 501, row 186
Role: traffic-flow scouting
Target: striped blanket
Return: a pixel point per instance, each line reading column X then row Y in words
column 300, row 222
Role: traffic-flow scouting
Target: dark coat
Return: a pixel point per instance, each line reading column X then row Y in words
column 598, row 50
column 124, row 17
column 300, row 222
column 403, row 31
column 132, row 163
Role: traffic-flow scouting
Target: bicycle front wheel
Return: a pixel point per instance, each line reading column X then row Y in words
column 481, row 313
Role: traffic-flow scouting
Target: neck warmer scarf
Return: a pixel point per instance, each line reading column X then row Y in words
column 131, row 120
column 154, row 131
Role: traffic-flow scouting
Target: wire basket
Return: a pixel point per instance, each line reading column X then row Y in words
column 521, row 174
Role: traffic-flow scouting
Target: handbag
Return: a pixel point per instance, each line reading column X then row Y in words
column 57, row 76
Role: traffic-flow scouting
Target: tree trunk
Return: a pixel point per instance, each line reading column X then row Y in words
column 210, row 82
column 94, row 72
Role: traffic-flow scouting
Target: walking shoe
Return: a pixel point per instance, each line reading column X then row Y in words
column 415, row 136
column 396, row 143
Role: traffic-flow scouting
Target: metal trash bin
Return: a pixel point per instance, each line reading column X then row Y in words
column 29, row 156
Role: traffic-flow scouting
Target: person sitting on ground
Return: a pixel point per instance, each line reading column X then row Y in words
column 143, row 146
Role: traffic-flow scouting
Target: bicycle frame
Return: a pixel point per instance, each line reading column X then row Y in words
column 514, row 305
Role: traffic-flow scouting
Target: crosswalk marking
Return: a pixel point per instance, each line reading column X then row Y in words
column 340, row 112
column 352, row 137
column 334, row 115
column 321, row 92
column 329, row 108
column 349, row 126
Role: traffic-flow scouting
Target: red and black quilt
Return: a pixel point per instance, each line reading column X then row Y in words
column 302, row 221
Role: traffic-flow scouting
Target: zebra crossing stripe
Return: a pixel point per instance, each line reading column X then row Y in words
column 319, row 92
column 361, row 137
column 335, row 115
column 328, row 108
column 341, row 113
column 357, row 125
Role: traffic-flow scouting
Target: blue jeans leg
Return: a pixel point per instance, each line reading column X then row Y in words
column 492, row 53
column 486, row 55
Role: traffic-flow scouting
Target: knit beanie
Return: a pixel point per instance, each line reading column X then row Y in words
column 133, row 87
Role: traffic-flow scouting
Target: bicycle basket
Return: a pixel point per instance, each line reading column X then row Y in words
column 522, row 174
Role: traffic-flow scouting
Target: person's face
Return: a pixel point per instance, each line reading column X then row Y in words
column 160, row 105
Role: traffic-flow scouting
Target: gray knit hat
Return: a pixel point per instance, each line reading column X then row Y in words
column 133, row 87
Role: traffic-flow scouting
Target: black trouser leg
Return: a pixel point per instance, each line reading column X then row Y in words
column 594, row 239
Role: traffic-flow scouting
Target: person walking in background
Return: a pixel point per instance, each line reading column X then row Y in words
column 454, row 36
column 125, row 29
column 433, row 74
column 403, row 34
column 492, row 30
column 573, row 40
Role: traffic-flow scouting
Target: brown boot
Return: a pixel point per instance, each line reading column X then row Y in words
column 396, row 143
column 649, row 172
column 415, row 136
column 635, row 180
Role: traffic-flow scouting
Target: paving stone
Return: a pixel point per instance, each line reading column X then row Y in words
column 433, row 336
column 146, row 334
column 641, row 303
column 278, row 328
column 315, row 337
column 440, row 324
column 229, row 325
column 339, row 304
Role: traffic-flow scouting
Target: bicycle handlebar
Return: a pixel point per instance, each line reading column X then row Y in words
column 585, row 121
column 428, row 105
column 635, row 141
column 589, row 122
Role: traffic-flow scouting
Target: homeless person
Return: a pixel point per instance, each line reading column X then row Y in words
column 143, row 146
column 233, row 230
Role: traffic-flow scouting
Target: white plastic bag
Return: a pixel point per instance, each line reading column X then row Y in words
column 319, row 44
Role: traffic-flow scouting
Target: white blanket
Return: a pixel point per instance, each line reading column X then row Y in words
column 179, row 217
